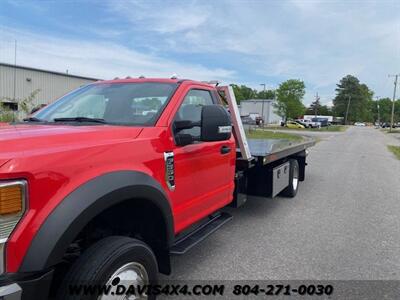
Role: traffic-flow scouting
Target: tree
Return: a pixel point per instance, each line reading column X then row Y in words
column 385, row 110
column 25, row 105
column 315, row 107
column 358, row 95
column 323, row 110
column 267, row 94
column 243, row 92
column 289, row 98
column 6, row 114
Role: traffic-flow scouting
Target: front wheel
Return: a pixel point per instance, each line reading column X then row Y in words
column 291, row 189
column 115, row 263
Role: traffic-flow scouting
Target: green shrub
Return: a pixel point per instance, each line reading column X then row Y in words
column 25, row 106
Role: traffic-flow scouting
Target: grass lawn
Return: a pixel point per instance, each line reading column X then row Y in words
column 394, row 130
column 327, row 128
column 269, row 134
column 395, row 150
column 331, row 128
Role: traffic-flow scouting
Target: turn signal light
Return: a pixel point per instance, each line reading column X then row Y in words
column 11, row 199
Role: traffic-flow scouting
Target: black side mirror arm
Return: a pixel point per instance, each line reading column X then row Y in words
column 182, row 139
column 185, row 124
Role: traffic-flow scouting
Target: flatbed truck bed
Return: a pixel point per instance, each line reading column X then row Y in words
column 264, row 167
column 266, row 151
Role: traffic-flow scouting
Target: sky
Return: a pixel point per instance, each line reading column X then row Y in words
column 243, row 42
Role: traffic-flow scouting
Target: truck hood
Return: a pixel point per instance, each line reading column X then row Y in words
column 30, row 139
column 3, row 161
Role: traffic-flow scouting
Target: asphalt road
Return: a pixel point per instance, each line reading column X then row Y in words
column 344, row 223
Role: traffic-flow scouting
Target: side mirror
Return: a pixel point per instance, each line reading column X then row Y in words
column 183, row 124
column 183, row 139
column 215, row 124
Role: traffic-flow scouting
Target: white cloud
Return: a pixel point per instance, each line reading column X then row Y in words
column 318, row 41
column 199, row 27
column 95, row 58
column 162, row 17
column 249, row 41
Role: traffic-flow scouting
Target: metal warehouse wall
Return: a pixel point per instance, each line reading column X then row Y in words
column 51, row 84
column 255, row 106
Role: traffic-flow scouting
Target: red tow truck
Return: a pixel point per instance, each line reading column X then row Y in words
column 115, row 177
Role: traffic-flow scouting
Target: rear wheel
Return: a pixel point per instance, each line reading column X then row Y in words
column 116, row 262
column 291, row 189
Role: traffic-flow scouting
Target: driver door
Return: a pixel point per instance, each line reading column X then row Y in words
column 205, row 169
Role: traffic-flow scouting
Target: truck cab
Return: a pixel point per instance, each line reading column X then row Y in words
column 110, row 180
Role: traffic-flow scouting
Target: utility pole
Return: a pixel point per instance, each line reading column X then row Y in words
column 347, row 110
column 396, row 76
column 15, row 70
column 316, row 106
column 379, row 115
column 262, row 106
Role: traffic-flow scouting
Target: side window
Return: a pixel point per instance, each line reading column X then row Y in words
column 191, row 109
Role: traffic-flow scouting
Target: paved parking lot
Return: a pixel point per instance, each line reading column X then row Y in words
column 343, row 224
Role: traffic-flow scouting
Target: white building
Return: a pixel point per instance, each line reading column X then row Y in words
column 19, row 82
column 261, row 107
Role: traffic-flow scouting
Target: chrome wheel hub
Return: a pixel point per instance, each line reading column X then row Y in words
column 295, row 181
column 131, row 274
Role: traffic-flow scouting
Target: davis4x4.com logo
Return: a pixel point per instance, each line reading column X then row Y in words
column 120, row 288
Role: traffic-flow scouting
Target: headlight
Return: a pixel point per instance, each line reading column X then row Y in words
column 12, row 206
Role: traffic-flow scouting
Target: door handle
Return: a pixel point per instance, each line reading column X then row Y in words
column 225, row 149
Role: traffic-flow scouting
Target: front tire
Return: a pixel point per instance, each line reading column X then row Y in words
column 291, row 189
column 112, row 261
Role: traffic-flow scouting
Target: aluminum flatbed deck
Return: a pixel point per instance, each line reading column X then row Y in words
column 269, row 150
column 265, row 151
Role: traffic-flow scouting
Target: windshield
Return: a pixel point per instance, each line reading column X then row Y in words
column 117, row 103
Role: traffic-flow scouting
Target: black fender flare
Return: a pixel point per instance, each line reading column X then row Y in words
column 75, row 211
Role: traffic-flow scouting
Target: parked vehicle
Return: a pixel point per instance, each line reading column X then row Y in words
column 92, row 188
column 259, row 121
column 308, row 123
column 323, row 121
column 248, row 120
column 294, row 125
column 359, row 124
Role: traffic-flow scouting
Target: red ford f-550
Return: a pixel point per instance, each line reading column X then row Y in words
column 113, row 178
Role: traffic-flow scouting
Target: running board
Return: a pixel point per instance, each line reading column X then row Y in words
column 185, row 243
